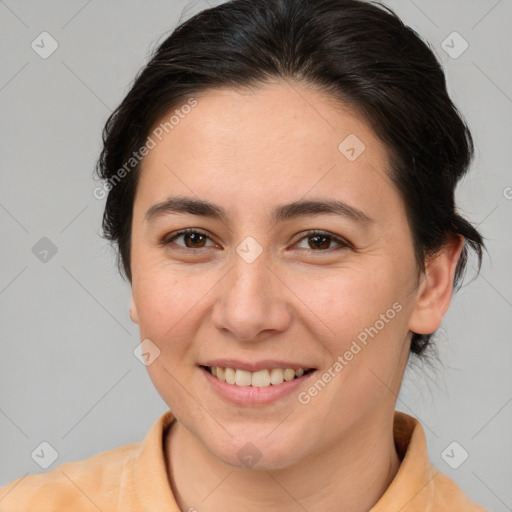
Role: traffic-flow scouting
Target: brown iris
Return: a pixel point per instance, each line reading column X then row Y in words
column 325, row 245
column 197, row 239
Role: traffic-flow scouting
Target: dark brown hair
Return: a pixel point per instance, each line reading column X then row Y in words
column 358, row 52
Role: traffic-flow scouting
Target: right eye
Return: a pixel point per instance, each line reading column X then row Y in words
column 193, row 239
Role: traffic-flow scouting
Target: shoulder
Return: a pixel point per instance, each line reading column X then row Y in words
column 85, row 485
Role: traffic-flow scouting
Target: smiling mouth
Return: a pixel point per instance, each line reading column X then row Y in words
column 259, row 379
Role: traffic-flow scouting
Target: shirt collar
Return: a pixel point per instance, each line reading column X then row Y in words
column 410, row 489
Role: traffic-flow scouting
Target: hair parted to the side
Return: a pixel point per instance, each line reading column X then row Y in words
column 359, row 53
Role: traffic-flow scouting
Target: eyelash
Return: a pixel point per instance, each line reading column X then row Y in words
column 167, row 240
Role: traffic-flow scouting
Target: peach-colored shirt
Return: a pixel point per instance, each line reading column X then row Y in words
column 133, row 478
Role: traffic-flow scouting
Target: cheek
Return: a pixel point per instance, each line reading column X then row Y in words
column 360, row 317
column 163, row 302
column 172, row 303
column 348, row 299
column 167, row 308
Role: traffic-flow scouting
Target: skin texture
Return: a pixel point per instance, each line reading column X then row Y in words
column 298, row 301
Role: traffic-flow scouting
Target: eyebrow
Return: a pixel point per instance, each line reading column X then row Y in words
column 281, row 213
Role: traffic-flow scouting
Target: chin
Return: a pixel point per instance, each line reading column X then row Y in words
column 258, row 452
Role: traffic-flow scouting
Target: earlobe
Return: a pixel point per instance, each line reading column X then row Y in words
column 436, row 288
column 133, row 311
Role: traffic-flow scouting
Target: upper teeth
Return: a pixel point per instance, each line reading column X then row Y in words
column 259, row 379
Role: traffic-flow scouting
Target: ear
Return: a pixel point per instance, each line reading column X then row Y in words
column 436, row 288
column 133, row 311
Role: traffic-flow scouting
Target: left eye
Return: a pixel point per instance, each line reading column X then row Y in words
column 321, row 240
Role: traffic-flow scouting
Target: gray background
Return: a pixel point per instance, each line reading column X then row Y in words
column 68, row 375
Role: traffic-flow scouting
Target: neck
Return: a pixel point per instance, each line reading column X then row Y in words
column 351, row 475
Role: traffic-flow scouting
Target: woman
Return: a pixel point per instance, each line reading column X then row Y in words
column 280, row 184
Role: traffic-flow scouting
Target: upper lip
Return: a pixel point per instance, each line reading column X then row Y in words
column 255, row 366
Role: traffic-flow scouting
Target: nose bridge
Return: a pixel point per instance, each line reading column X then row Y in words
column 250, row 300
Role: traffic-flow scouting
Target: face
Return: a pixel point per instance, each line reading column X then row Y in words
column 258, row 285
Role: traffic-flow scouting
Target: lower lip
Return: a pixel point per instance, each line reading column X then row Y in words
column 249, row 395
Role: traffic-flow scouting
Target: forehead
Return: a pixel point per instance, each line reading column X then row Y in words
column 280, row 141
column 278, row 115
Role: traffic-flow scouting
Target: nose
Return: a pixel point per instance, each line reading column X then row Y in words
column 252, row 302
